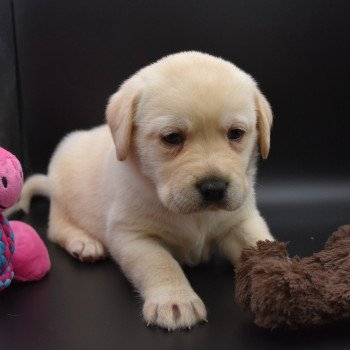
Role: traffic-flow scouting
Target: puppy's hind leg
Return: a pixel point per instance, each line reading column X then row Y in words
column 72, row 238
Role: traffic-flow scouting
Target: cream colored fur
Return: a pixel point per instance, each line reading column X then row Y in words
column 144, row 208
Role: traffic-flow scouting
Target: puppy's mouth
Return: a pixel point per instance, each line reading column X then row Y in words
column 201, row 206
column 221, row 205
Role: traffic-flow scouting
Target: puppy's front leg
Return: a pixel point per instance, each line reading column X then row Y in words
column 245, row 234
column 169, row 300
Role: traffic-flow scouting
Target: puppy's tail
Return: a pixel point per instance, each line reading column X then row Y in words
column 35, row 185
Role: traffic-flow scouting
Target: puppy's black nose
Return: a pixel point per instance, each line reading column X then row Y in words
column 213, row 189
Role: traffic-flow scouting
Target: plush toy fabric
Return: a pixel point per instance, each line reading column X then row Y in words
column 31, row 260
column 23, row 255
column 295, row 292
column 7, row 247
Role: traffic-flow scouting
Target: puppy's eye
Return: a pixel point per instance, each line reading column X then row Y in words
column 235, row 134
column 175, row 138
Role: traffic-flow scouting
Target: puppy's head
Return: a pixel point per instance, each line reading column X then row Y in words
column 194, row 122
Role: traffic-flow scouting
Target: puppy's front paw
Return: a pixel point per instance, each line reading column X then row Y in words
column 174, row 309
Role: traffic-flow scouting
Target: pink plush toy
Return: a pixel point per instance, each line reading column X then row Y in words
column 23, row 255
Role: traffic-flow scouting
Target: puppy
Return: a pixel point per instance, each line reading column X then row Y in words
column 169, row 178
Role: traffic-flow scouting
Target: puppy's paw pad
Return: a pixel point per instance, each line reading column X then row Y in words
column 86, row 249
column 179, row 310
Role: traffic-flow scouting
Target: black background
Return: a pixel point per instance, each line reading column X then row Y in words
column 59, row 62
column 73, row 54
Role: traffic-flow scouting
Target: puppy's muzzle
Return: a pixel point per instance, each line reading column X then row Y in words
column 213, row 190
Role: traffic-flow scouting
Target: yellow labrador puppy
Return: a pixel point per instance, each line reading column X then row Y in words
column 171, row 176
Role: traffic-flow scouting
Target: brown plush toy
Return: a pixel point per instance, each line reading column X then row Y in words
column 284, row 292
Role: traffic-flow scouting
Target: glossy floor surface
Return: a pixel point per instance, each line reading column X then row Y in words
column 93, row 306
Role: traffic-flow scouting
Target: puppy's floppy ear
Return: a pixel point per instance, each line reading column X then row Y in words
column 264, row 122
column 120, row 115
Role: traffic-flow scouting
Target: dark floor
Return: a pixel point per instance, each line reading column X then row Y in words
column 81, row 306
